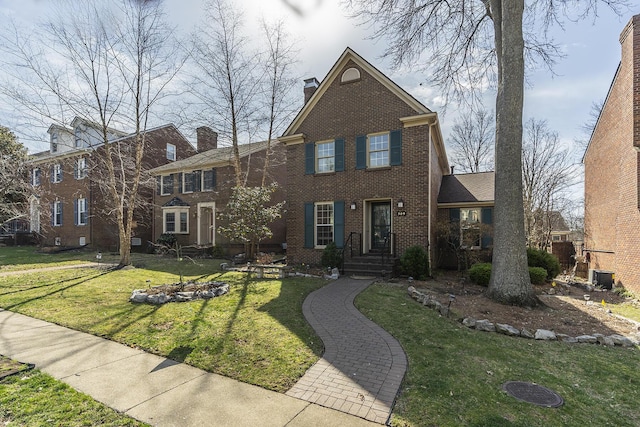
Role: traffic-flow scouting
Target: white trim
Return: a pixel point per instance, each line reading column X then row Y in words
column 199, row 217
column 175, row 210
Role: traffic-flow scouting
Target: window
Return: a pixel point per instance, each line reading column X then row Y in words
column 56, row 173
column 378, row 146
column 470, row 234
column 171, row 152
column 80, row 168
column 35, row 177
column 555, row 238
column 208, row 180
column 80, row 214
column 167, row 185
column 324, row 224
column 188, row 184
column 325, row 155
column 56, row 213
column 176, row 220
column 54, row 142
column 80, row 142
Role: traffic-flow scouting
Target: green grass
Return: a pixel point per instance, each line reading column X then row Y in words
column 256, row 333
column 627, row 309
column 36, row 399
column 455, row 374
column 28, row 257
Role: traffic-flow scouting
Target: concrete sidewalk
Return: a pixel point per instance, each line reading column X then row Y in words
column 154, row 389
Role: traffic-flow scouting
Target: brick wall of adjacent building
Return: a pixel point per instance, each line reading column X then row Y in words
column 101, row 231
column 225, row 181
column 612, row 168
column 347, row 110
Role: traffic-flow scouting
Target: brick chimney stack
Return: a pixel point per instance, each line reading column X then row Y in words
column 310, row 86
column 207, row 139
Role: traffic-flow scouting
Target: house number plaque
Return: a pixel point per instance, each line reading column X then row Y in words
column 401, row 213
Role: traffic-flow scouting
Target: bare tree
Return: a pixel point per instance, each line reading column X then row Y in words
column 472, row 141
column 14, row 184
column 547, row 173
column 108, row 65
column 468, row 45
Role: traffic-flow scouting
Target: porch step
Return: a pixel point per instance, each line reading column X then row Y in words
column 370, row 265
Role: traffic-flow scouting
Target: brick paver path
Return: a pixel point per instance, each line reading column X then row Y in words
column 362, row 366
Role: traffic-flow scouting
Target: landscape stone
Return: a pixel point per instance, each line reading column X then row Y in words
column 545, row 335
column 502, row 328
column 621, row 341
column 588, row 339
column 485, row 325
column 524, row 333
column 469, row 322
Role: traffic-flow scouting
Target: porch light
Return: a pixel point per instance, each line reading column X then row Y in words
column 353, row 206
column 400, row 204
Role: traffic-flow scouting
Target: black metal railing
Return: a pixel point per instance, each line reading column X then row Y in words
column 351, row 245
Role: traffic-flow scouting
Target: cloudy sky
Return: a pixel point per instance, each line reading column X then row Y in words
column 323, row 31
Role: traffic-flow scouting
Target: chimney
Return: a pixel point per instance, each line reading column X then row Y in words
column 207, row 139
column 310, row 86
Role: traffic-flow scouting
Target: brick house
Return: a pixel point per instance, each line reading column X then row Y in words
column 364, row 165
column 612, row 171
column 465, row 219
column 68, row 207
column 192, row 192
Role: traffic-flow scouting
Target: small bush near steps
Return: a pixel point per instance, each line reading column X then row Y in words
column 415, row 262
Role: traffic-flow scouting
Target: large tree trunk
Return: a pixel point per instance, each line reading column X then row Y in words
column 510, row 283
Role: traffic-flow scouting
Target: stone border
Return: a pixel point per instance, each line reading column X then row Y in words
column 539, row 334
column 216, row 289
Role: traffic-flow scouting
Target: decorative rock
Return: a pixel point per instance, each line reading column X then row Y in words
column 138, row 297
column 524, row 333
column 622, row 341
column 184, row 296
column 224, row 266
column 545, row 335
column 485, row 325
column 501, row 328
column 600, row 338
column 222, row 289
column 411, row 290
column 469, row 322
column 444, row 310
column 589, row 339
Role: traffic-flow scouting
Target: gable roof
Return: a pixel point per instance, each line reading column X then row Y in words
column 216, row 157
column 334, row 73
column 467, row 188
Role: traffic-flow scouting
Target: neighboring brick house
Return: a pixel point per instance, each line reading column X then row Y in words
column 192, row 192
column 465, row 219
column 612, row 172
column 364, row 165
column 68, row 207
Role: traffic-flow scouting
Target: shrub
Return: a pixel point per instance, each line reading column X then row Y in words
column 415, row 262
column 480, row 273
column 217, row 252
column 331, row 257
column 167, row 239
column 537, row 275
column 540, row 258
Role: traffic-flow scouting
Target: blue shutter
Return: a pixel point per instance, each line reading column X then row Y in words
column 361, row 152
column 158, row 185
column 170, row 185
column 75, row 212
column 197, row 181
column 309, row 158
column 486, row 217
column 338, row 223
column 339, row 150
column 61, row 216
column 395, row 144
column 53, row 214
column 214, row 178
column 308, row 225
column 180, row 189
column 53, row 174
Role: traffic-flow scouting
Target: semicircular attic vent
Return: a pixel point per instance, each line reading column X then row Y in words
column 349, row 75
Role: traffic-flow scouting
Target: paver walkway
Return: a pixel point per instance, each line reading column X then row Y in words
column 362, row 366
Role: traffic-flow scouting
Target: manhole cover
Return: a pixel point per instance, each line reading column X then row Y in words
column 533, row 393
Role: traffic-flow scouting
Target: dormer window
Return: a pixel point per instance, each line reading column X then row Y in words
column 54, row 142
column 350, row 75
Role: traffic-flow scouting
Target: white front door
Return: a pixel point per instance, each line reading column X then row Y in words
column 207, row 223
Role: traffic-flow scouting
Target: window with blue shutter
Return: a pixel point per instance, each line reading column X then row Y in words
column 309, row 158
column 395, row 137
column 361, row 152
column 309, row 225
column 339, row 147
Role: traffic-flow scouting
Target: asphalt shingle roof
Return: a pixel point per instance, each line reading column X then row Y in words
column 467, row 188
